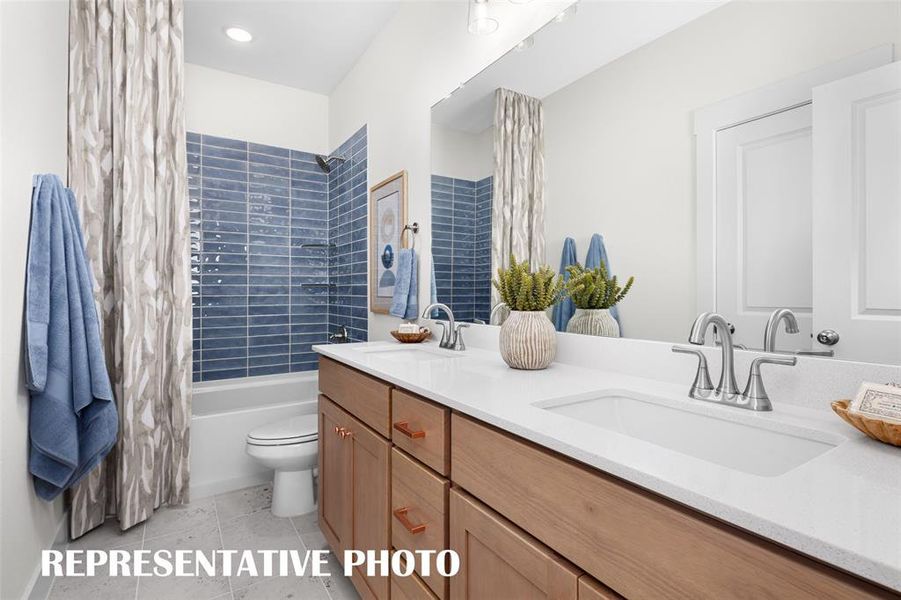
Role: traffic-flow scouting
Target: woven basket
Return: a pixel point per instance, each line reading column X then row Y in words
column 888, row 433
column 412, row 338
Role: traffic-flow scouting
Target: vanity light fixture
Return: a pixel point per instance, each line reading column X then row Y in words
column 239, row 35
column 480, row 20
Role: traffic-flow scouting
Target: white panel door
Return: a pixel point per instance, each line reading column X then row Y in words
column 763, row 230
column 857, row 214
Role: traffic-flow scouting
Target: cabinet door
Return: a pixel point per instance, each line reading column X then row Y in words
column 500, row 561
column 369, row 457
column 335, row 472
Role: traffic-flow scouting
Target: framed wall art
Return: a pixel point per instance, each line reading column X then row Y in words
column 387, row 215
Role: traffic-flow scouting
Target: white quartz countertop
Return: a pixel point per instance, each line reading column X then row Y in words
column 842, row 507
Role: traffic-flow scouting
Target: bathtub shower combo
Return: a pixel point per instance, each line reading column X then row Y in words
column 278, row 262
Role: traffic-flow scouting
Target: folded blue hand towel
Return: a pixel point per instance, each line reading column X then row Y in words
column 563, row 310
column 405, row 303
column 73, row 421
column 597, row 254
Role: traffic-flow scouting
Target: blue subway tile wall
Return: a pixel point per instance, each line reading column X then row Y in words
column 461, row 245
column 348, row 198
column 260, row 229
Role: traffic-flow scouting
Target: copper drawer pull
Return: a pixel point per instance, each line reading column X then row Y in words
column 345, row 433
column 404, row 428
column 338, row 430
column 401, row 515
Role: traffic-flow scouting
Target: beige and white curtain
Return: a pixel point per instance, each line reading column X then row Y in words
column 128, row 168
column 517, row 217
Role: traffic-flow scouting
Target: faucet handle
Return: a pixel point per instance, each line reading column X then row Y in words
column 445, row 333
column 702, row 381
column 458, row 343
column 755, row 393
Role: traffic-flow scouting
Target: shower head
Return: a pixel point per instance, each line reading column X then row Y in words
column 323, row 161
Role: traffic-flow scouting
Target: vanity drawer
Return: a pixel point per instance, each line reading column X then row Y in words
column 365, row 397
column 639, row 544
column 410, row 588
column 419, row 512
column 422, row 429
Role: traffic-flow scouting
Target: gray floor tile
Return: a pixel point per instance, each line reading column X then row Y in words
column 201, row 587
column 258, row 531
column 109, row 536
column 99, row 587
column 242, row 502
column 175, row 519
column 306, row 523
column 314, row 540
column 284, row 588
column 339, row 587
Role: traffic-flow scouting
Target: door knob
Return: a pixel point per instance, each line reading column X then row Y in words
column 828, row 337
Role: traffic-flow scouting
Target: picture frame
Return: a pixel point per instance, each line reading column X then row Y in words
column 387, row 216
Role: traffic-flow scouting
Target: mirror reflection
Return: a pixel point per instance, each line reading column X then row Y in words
column 737, row 157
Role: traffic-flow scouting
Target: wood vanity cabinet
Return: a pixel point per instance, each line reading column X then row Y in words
column 354, row 467
column 401, row 472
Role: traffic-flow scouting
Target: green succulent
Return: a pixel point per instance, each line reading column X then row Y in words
column 523, row 290
column 593, row 288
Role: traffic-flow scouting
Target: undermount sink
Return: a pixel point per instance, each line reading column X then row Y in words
column 408, row 353
column 741, row 446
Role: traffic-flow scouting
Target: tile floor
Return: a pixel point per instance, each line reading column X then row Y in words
column 239, row 520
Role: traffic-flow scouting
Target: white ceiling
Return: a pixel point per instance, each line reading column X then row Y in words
column 306, row 44
column 597, row 34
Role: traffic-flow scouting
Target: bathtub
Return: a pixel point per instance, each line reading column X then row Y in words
column 225, row 411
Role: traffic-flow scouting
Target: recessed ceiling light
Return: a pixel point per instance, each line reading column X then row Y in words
column 480, row 20
column 238, row 34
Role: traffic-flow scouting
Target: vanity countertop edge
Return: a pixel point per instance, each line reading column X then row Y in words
column 841, row 507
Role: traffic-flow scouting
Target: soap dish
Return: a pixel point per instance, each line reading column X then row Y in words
column 412, row 338
column 888, row 433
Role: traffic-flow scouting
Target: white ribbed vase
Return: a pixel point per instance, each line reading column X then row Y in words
column 528, row 340
column 593, row 321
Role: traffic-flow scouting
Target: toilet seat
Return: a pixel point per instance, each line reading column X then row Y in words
column 296, row 430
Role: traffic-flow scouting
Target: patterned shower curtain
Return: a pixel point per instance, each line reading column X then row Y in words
column 517, row 217
column 128, row 168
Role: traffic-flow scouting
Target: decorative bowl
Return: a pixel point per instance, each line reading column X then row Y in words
column 885, row 432
column 412, row 338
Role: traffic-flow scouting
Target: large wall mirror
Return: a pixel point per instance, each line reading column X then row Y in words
column 738, row 157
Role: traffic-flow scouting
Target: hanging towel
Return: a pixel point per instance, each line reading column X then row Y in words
column 405, row 303
column 563, row 310
column 73, row 421
column 597, row 254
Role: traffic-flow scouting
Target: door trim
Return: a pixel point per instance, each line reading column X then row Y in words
column 763, row 102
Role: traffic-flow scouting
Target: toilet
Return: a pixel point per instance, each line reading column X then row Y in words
column 289, row 448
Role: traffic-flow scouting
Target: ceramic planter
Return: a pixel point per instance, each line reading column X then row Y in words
column 593, row 321
column 528, row 340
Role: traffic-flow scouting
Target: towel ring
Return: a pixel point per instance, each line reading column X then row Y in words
column 413, row 229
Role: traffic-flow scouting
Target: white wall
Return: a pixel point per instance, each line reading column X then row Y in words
column 33, row 72
column 619, row 148
column 238, row 107
column 420, row 56
column 462, row 155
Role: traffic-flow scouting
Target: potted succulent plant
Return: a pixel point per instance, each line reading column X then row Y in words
column 527, row 338
column 594, row 292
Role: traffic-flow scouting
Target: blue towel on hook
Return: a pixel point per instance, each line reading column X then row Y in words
column 405, row 303
column 597, row 254
column 563, row 310
column 73, row 421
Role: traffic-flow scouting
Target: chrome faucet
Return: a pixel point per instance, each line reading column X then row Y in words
column 500, row 306
column 727, row 385
column 772, row 327
column 754, row 396
column 340, row 336
column 451, row 332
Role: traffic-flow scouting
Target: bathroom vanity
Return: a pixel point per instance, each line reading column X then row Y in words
column 426, row 449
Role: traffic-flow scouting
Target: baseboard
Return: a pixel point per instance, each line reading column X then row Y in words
column 212, row 488
column 39, row 587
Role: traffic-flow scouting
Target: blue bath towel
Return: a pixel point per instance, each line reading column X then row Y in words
column 405, row 303
column 597, row 254
column 73, row 421
column 563, row 310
